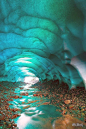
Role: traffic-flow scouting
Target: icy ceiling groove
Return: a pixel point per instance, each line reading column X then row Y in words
column 44, row 37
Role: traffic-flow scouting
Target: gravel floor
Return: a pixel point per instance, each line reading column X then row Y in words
column 55, row 101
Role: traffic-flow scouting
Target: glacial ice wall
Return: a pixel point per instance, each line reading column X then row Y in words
column 43, row 38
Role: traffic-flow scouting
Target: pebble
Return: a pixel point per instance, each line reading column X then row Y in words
column 31, row 101
column 83, row 114
column 4, row 123
column 71, row 106
column 46, row 103
column 35, row 94
column 45, row 95
column 26, row 106
column 67, row 101
column 23, row 102
column 2, row 117
column 85, row 120
column 14, row 116
column 64, row 112
column 9, row 125
column 15, row 125
column 24, row 93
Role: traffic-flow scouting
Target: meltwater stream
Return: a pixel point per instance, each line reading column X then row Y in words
column 36, row 112
column 36, row 116
column 41, row 106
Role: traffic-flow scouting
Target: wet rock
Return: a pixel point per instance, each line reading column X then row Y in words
column 61, row 96
column 15, row 125
column 85, row 120
column 71, row 106
column 64, row 112
column 31, row 101
column 15, row 109
column 25, row 107
column 35, row 95
column 45, row 95
column 67, row 101
column 23, row 102
column 9, row 125
column 24, row 93
column 14, row 116
column 46, row 103
column 15, row 97
column 2, row 117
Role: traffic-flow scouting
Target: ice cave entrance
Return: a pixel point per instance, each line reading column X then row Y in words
column 31, row 80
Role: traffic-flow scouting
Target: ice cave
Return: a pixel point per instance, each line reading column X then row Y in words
column 43, row 64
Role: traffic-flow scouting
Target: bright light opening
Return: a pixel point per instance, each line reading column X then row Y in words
column 31, row 80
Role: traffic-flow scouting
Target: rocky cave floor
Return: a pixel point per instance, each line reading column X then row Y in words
column 41, row 106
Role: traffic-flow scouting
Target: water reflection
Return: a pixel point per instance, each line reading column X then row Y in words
column 34, row 114
column 37, row 117
column 23, row 121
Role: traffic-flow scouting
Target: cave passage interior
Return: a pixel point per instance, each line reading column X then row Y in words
column 42, row 42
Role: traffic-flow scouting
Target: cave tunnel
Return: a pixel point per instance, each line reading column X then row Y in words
column 42, row 64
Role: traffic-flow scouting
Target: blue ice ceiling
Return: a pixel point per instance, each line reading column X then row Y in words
column 43, row 38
